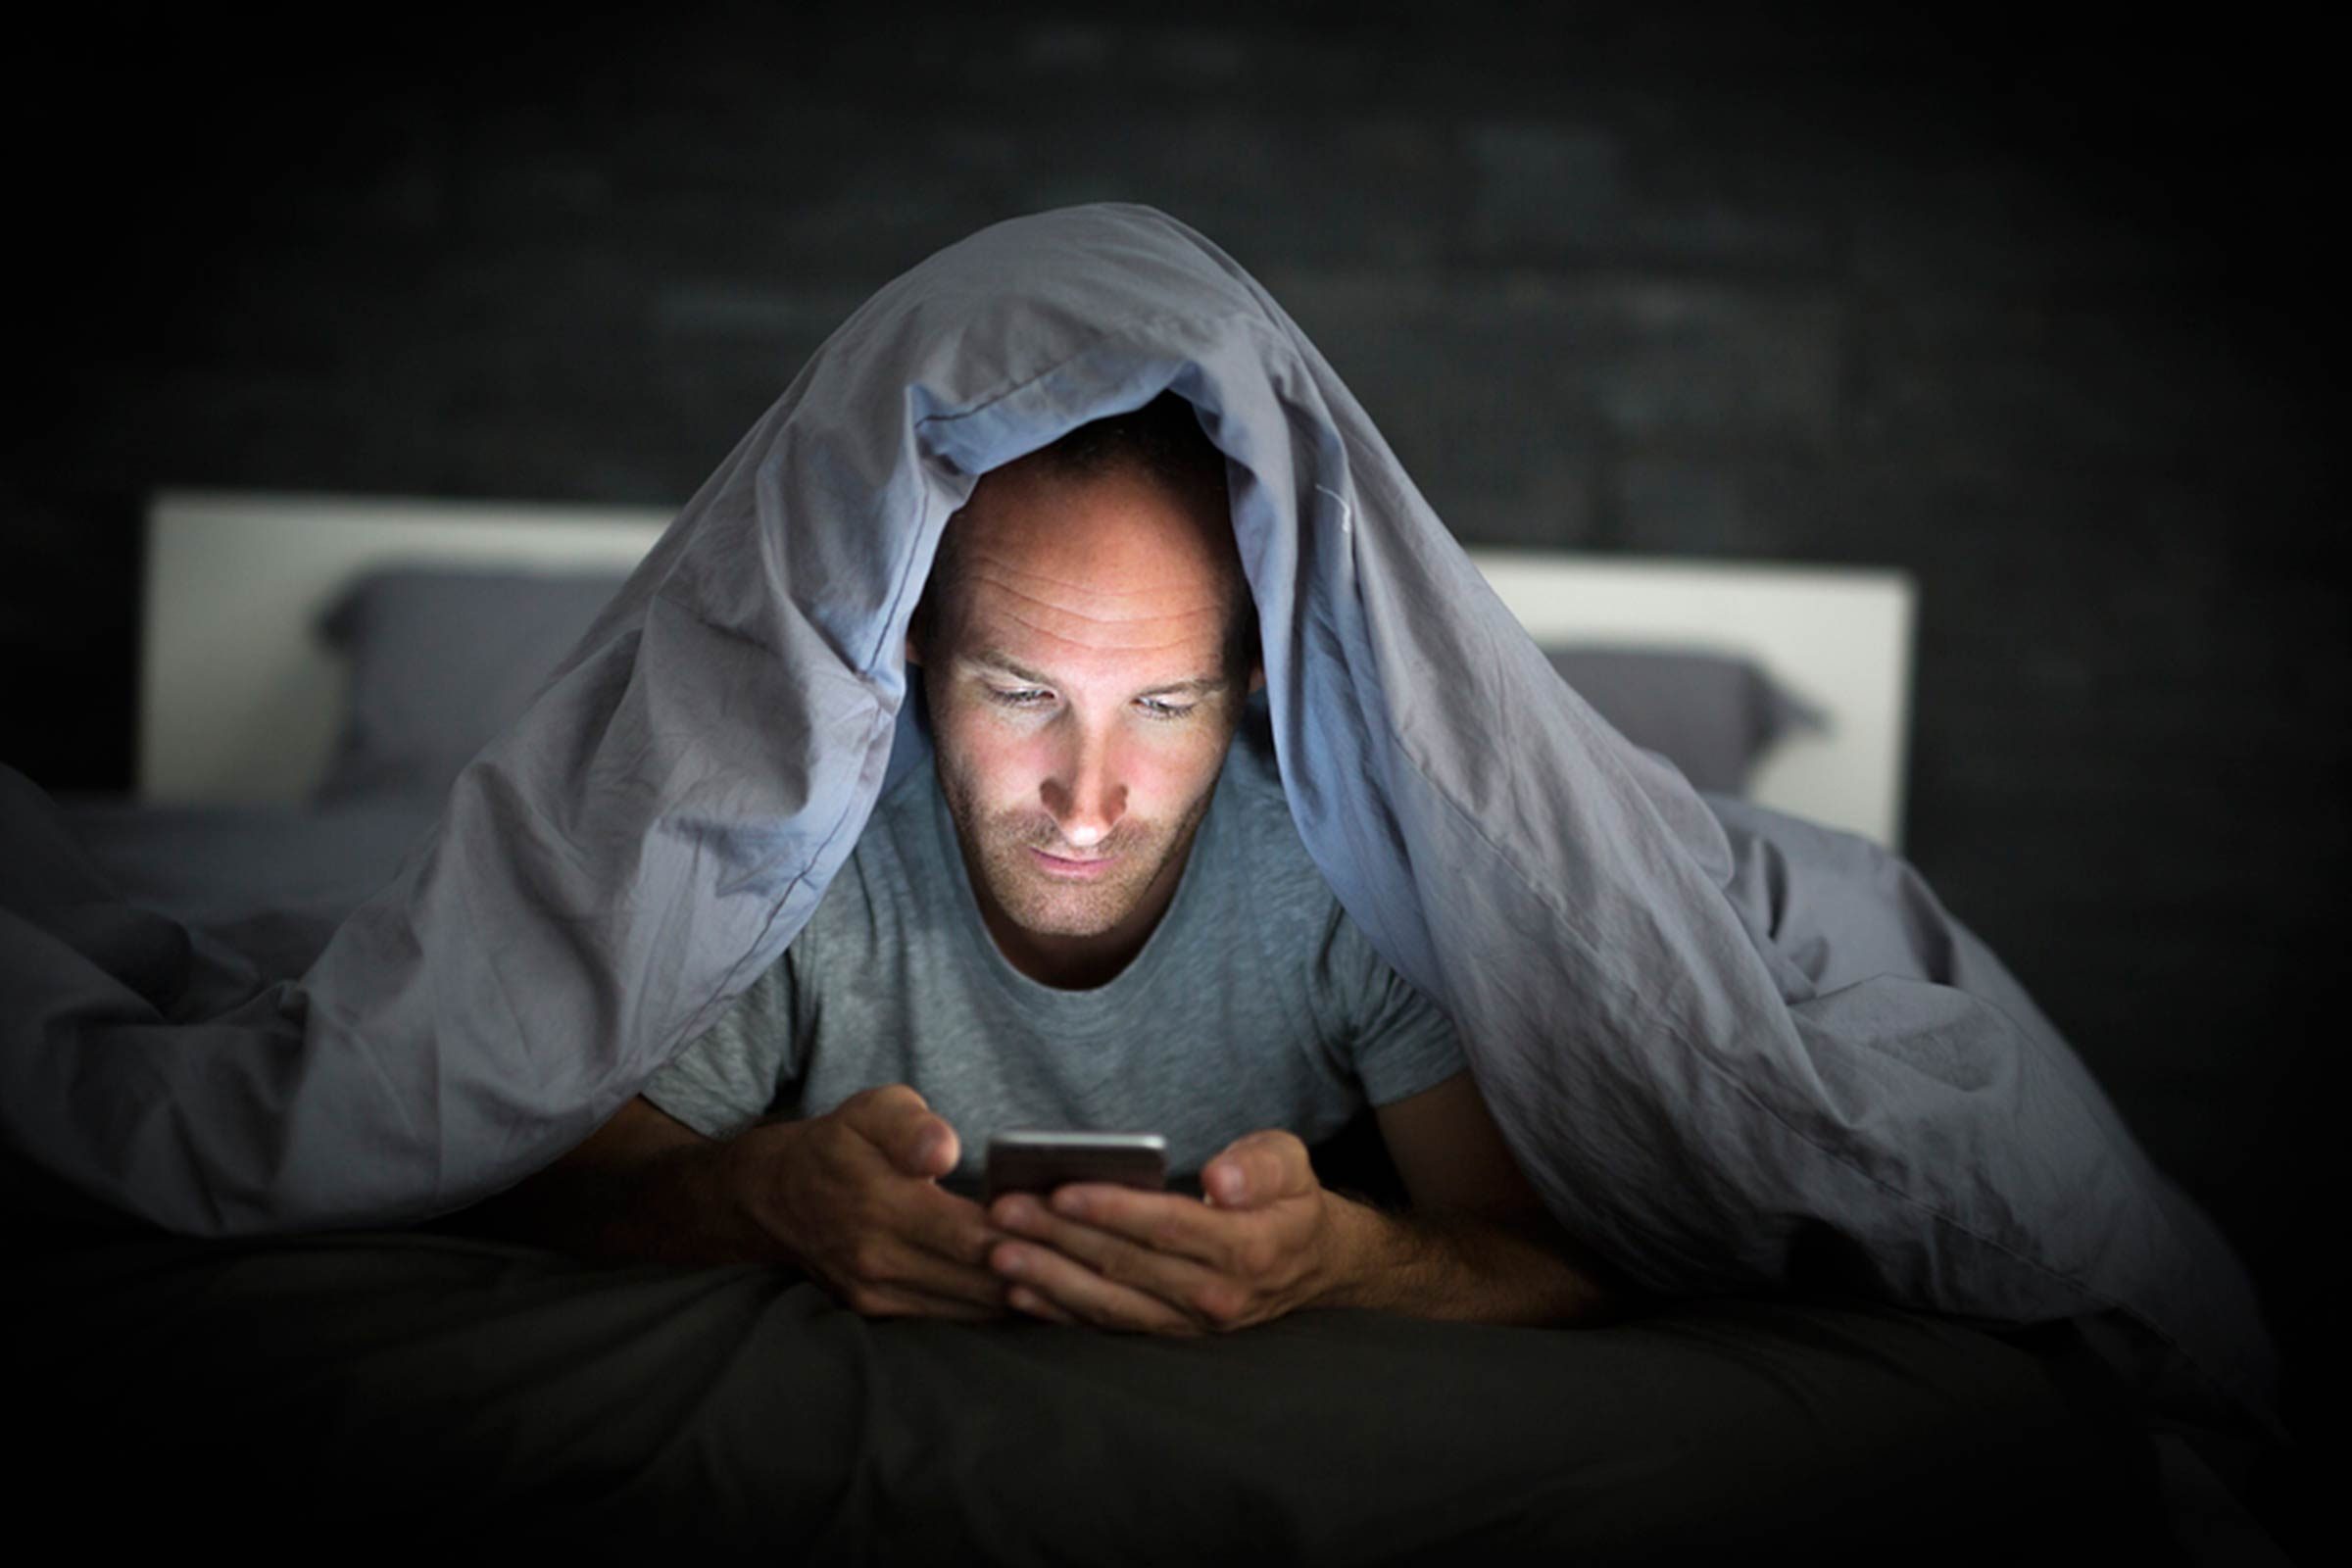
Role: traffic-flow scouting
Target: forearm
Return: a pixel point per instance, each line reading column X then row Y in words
column 669, row 1208
column 636, row 1198
column 1466, row 1268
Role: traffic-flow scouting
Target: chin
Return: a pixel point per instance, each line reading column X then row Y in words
column 1039, row 913
column 1045, row 908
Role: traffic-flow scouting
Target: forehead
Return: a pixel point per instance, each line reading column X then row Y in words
column 1113, row 568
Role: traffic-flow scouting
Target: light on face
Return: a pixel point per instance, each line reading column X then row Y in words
column 1088, row 793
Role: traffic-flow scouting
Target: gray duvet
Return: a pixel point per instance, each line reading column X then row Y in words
column 459, row 1398
column 1735, row 1052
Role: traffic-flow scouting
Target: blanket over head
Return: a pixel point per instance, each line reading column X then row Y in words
column 1733, row 1051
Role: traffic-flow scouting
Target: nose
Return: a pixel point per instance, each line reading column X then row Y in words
column 1087, row 793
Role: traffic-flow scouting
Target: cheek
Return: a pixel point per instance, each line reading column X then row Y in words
column 971, row 763
column 1166, row 775
column 1163, row 779
column 991, row 764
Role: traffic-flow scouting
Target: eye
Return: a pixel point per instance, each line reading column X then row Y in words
column 1161, row 708
column 1020, row 697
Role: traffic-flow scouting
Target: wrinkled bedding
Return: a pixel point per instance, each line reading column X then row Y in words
column 1738, row 1054
column 201, row 864
column 265, row 884
column 444, row 1394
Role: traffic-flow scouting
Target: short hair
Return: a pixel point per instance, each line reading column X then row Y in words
column 1162, row 441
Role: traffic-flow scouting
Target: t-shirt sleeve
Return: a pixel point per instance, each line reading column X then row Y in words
column 1395, row 1040
column 727, row 1079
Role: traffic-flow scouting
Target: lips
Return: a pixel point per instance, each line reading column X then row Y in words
column 1063, row 865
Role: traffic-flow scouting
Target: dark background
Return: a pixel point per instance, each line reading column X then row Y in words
column 2030, row 309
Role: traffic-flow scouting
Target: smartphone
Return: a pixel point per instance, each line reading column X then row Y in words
column 1031, row 1161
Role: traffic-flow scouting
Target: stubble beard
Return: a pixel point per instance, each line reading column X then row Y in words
column 1039, row 903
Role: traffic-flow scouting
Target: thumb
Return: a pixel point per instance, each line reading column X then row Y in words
column 1257, row 1170
column 929, row 1148
column 916, row 1140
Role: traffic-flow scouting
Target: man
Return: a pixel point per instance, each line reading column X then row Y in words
column 1094, row 912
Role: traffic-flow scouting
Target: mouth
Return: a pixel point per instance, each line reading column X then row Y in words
column 1061, row 865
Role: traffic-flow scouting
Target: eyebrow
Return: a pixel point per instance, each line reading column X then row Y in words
column 996, row 659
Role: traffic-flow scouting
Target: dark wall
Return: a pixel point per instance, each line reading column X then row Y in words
column 2036, row 318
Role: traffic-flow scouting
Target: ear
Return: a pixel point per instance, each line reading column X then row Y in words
column 1257, row 679
column 914, row 652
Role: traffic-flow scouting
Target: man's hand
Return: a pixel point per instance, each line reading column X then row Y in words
column 1268, row 1239
column 853, row 1196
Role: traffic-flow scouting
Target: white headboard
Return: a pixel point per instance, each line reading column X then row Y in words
column 1838, row 637
column 238, row 701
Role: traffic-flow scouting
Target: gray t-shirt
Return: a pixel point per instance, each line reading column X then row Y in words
column 1256, row 1003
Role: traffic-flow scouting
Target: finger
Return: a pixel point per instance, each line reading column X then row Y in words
column 1167, row 1223
column 950, row 1226
column 891, row 1266
column 954, row 1281
column 1171, row 1276
column 907, row 1301
column 925, row 1240
column 1024, row 1300
column 901, row 1123
column 1257, row 1170
column 1062, row 1283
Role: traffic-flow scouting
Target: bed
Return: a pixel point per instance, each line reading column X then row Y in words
column 315, row 667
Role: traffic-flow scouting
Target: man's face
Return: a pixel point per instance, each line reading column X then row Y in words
column 1080, row 708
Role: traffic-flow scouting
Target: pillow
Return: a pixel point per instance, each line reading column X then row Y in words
column 441, row 659
column 1712, row 715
